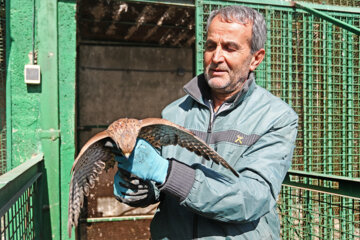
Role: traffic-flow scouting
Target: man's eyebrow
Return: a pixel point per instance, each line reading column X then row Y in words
column 228, row 43
column 232, row 44
column 209, row 41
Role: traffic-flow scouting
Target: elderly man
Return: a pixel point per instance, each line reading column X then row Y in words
column 250, row 128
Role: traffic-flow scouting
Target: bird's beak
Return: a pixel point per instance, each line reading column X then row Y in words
column 127, row 155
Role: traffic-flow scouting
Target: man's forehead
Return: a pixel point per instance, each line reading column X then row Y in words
column 228, row 30
column 229, row 25
column 232, row 19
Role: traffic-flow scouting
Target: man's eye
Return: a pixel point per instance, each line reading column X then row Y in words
column 210, row 47
column 229, row 48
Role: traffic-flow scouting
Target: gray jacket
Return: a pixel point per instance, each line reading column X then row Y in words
column 255, row 133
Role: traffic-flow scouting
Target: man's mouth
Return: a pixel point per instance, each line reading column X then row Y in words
column 215, row 72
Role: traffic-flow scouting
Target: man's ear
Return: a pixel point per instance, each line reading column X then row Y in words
column 257, row 59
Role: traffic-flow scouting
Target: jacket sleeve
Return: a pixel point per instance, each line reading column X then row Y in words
column 262, row 169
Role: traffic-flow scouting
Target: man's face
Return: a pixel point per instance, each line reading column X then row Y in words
column 227, row 57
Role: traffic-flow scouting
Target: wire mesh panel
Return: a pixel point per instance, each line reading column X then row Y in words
column 310, row 215
column 350, row 3
column 21, row 202
column 2, row 89
column 314, row 66
column 18, row 221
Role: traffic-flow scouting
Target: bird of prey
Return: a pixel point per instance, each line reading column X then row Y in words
column 94, row 157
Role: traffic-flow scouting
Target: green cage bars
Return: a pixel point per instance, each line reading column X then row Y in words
column 18, row 221
column 2, row 88
column 315, row 67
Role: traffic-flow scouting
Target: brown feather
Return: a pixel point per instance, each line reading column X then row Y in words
column 87, row 168
column 161, row 132
column 94, row 157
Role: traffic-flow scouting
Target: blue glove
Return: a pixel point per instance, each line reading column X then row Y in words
column 145, row 162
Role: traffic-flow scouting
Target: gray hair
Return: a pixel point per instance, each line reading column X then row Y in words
column 244, row 15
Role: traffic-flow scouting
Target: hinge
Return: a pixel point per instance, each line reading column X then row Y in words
column 50, row 134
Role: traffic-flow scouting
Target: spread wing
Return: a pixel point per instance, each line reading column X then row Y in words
column 161, row 132
column 92, row 159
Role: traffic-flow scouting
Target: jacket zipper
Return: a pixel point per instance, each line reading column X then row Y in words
column 209, row 130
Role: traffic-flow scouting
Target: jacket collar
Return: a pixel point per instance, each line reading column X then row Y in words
column 199, row 90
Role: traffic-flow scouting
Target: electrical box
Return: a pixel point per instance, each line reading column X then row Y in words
column 32, row 74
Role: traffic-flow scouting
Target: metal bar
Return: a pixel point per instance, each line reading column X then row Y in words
column 326, row 140
column 49, row 114
column 199, row 48
column 347, row 187
column 286, row 4
column 309, row 73
column 37, row 206
column 283, row 57
column 343, row 100
column 260, row 70
column 115, row 219
column 67, row 91
column 350, row 103
column 304, row 95
column 329, row 89
column 267, row 82
column 290, row 58
column 348, row 143
column 185, row 3
column 327, row 17
column 8, row 91
column 13, row 180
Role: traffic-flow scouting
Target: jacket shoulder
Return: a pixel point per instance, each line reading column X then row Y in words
column 273, row 102
column 177, row 107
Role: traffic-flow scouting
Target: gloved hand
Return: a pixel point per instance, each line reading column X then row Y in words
column 133, row 191
column 145, row 162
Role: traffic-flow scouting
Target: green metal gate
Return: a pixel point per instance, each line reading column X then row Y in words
column 2, row 88
column 314, row 65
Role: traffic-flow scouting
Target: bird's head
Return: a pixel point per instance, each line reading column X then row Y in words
column 127, row 144
column 125, row 132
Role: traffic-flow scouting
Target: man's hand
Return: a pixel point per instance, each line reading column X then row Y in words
column 131, row 190
column 145, row 162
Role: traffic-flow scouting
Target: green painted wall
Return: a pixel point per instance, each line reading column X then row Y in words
column 23, row 116
column 35, row 113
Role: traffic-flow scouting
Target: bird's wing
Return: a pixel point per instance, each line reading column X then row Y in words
column 160, row 132
column 91, row 161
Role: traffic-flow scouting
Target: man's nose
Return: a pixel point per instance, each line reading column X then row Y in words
column 218, row 55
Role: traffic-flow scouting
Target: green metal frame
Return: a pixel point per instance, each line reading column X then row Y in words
column 327, row 17
column 184, row 3
column 20, row 201
column 324, row 183
column 49, row 108
column 116, row 219
column 66, row 82
column 14, row 180
column 2, row 87
column 8, row 91
column 310, row 4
